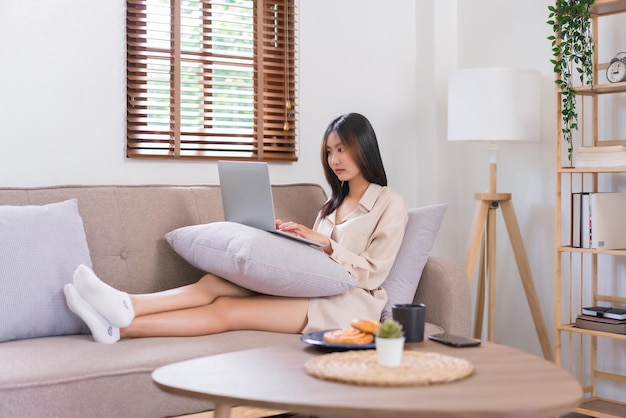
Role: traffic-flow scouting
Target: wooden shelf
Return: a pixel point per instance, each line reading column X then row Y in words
column 570, row 249
column 608, row 7
column 577, row 269
column 573, row 328
column 591, row 170
column 611, row 88
column 602, row 408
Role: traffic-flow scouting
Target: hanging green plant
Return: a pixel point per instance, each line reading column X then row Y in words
column 572, row 48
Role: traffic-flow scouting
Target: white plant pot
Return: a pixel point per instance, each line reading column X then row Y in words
column 389, row 351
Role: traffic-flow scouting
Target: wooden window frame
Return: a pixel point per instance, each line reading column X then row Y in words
column 270, row 130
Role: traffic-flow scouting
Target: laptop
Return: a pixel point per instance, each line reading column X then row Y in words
column 247, row 197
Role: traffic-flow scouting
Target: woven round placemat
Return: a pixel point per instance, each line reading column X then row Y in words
column 361, row 368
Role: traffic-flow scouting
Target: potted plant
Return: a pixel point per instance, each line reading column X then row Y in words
column 389, row 343
column 572, row 48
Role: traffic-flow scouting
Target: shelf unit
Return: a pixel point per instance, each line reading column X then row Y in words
column 576, row 269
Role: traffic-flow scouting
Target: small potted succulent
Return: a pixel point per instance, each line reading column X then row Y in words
column 389, row 343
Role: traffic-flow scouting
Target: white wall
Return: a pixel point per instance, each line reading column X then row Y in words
column 358, row 57
column 62, row 78
column 62, row 111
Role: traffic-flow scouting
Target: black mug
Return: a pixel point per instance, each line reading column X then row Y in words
column 412, row 317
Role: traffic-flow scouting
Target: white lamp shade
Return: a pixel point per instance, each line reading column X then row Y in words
column 494, row 104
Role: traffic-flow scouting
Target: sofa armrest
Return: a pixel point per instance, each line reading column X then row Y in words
column 444, row 289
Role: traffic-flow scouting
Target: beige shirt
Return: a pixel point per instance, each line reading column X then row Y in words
column 366, row 243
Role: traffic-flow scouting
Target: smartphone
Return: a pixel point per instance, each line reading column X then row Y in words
column 454, row 340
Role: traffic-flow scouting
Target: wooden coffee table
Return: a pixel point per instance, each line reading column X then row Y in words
column 506, row 383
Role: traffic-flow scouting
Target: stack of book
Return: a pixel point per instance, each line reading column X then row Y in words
column 602, row 318
column 605, row 312
column 601, row 156
column 598, row 220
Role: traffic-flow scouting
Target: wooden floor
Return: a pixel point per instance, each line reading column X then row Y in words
column 246, row 412
column 249, row 412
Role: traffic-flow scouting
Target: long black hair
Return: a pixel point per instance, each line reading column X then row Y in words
column 359, row 139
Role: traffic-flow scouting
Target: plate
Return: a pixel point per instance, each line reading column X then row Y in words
column 317, row 339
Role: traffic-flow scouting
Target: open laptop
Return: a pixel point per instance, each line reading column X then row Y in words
column 247, row 196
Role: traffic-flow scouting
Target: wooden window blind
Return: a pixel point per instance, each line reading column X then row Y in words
column 211, row 79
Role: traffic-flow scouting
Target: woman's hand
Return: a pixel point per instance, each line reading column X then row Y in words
column 304, row 232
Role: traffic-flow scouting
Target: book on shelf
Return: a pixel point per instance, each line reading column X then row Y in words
column 597, row 220
column 608, row 229
column 601, row 149
column 615, row 313
column 600, row 156
column 601, row 319
column 604, row 312
column 615, row 326
column 595, row 310
column 576, row 208
column 581, row 221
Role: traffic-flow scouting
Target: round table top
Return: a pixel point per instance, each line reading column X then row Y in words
column 506, row 383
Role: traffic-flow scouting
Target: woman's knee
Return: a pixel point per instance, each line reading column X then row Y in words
column 207, row 279
column 218, row 286
column 210, row 284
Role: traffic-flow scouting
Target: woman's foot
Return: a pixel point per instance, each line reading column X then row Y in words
column 101, row 330
column 114, row 305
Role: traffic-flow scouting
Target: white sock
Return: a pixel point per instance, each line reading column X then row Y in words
column 101, row 330
column 114, row 305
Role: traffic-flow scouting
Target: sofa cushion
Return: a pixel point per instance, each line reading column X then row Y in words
column 259, row 260
column 40, row 248
column 73, row 377
column 419, row 237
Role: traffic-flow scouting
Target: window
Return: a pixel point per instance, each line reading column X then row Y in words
column 211, row 79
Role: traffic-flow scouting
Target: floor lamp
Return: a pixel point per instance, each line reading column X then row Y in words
column 493, row 105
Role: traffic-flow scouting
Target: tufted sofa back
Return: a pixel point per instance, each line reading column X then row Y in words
column 125, row 225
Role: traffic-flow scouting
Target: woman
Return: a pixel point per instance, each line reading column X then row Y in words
column 361, row 227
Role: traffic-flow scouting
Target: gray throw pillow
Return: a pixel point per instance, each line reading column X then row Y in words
column 419, row 237
column 40, row 247
column 259, row 260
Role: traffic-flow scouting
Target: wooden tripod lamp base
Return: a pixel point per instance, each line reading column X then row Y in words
column 493, row 105
column 483, row 241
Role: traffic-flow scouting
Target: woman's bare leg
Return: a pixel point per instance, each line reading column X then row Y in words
column 201, row 293
column 208, row 306
column 120, row 308
column 264, row 313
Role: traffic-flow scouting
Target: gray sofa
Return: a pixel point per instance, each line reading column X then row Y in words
column 72, row 376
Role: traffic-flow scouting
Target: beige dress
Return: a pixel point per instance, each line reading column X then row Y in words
column 365, row 243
